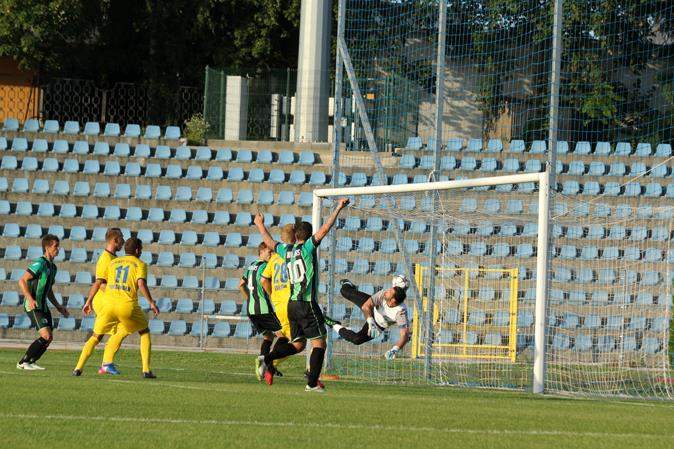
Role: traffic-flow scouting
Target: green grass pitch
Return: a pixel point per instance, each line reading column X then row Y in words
column 204, row 400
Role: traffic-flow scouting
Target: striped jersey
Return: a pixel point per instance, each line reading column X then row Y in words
column 258, row 300
column 44, row 274
column 300, row 260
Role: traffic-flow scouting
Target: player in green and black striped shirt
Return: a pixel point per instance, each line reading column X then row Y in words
column 305, row 316
column 36, row 285
column 260, row 310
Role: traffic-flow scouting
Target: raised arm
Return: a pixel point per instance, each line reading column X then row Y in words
column 329, row 223
column 142, row 286
column 266, row 236
column 95, row 287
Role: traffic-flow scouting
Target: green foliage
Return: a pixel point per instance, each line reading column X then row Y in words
column 166, row 42
column 195, row 129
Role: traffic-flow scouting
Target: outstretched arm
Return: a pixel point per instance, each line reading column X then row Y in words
column 266, row 236
column 404, row 337
column 329, row 223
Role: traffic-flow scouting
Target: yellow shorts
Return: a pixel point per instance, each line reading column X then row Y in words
column 129, row 316
column 98, row 303
column 281, row 310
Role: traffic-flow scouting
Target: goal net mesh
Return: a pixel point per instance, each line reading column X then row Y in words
column 608, row 306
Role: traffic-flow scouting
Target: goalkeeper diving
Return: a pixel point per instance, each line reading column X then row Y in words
column 382, row 310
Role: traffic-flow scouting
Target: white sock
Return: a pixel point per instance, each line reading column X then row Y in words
column 337, row 327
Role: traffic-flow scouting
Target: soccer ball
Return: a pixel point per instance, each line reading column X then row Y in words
column 400, row 281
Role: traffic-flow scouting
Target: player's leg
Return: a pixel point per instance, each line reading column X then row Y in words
column 87, row 350
column 105, row 323
column 314, row 329
column 357, row 338
column 43, row 322
column 351, row 293
column 146, row 353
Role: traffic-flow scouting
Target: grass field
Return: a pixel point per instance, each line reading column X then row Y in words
column 213, row 400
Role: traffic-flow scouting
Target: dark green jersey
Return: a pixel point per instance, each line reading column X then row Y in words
column 258, row 300
column 43, row 272
column 301, row 264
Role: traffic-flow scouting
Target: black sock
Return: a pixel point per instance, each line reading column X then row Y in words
column 35, row 351
column 266, row 346
column 279, row 341
column 280, row 351
column 315, row 366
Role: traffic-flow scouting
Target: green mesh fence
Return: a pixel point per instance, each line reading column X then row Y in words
column 267, row 102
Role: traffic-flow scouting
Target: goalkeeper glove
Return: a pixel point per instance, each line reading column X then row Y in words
column 392, row 353
column 372, row 330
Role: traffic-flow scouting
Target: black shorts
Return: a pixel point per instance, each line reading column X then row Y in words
column 265, row 323
column 306, row 320
column 40, row 318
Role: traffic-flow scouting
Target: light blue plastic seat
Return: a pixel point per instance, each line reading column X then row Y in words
column 235, row 174
column 233, row 240
column 45, row 210
column 663, row 150
column 222, row 217
column 9, row 163
column 177, row 216
column 576, row 168
column 223, row 155
column 143, row 192
column 153, row 170
column 204, row 194
column 199, row 217
column 382, row 267
column 50, row 165
column 165, row 259
column 256, row 175
column 468, row 205
column 70, row 166
column 286, row 157
column 81, row 147
column 653, row 190
column 623, row 149
column 511, row 165
column 211, row 239
column 414, row 143
column 632, row 189
column 132, row 130
column 29, row 163
column 173, row 171
column 20, row 185
column 141, row 150
column 166, row 237
column 468, row 163
column 10, row 298
column 533, row 166
column 183, row 193
column 203, row 154
column 71, row 127
column 163, row 193
column 538, row 147
column 307, row 158
column 215, row 173
column 297, row 177
column 407, row 161
column 194, row 172
column 244, row 156
column 156, row 327
column 286, row 198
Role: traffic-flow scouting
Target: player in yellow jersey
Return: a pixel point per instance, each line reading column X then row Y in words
column 114, row 241
column 275, row 282
column 126, row 276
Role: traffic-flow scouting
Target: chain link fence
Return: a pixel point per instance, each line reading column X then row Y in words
column 265, row 97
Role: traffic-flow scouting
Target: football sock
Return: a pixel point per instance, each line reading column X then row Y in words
column 145, row 349
column 35, row 351
column 279, row 352
column 277, row 343
column 266, row 346
column 315, row 366
column 86, row 352
column 112, row 346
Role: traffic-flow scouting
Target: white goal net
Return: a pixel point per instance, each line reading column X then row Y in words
column 474, row 318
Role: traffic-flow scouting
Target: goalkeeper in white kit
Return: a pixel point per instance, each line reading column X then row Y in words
column 382, row 310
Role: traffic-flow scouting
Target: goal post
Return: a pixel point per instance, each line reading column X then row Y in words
column 370, row 259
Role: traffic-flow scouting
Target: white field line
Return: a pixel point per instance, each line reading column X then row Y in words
column 366, row 427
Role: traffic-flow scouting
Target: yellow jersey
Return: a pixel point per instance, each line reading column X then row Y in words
column 122, row 275
column 101, row 271
column 280, row 287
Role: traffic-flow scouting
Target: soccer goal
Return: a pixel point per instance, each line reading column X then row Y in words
column 486, row 315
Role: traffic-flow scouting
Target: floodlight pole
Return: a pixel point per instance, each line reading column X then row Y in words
column 433, row 239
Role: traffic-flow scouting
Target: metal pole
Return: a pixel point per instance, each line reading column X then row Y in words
column 206, row 93
column 439, row 100
column 553, row 124
column 286, row 109
column 221, row 114
column 336, row 139
column 541, row 282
